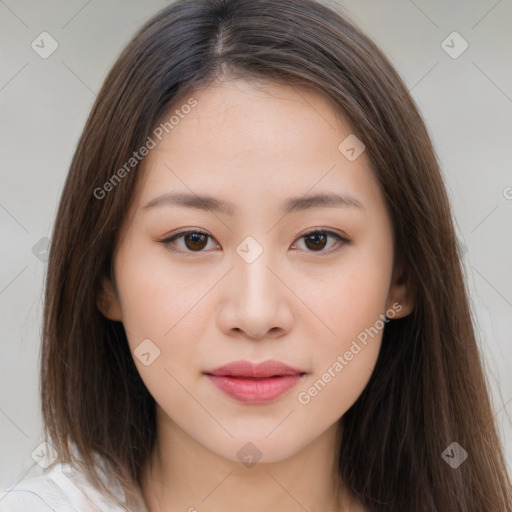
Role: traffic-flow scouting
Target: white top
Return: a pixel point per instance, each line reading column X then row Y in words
column 60, row 489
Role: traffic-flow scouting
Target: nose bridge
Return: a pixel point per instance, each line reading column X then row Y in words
column 256, row 283
column 256, row 302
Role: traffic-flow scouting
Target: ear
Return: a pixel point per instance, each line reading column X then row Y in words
column 108, row 302
column 401, row 297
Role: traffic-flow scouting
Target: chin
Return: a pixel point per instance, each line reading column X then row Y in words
column 257, row 449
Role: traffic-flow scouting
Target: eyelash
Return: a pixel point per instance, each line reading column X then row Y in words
column 340, row 239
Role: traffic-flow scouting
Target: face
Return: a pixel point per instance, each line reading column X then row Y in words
column 260, row 272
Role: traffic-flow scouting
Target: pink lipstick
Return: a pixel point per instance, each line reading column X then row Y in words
column 255, row 383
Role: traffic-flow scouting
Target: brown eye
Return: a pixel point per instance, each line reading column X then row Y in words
column 317, row 240
column 191, row 241
column 195, row 241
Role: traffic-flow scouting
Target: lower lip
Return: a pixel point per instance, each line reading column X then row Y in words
column 255, row 391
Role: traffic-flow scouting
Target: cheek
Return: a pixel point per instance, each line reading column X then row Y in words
column 155, row 296
column 335, row 388
column 161, row 324
column 352, row 300
column 345, row 359
column 352, row 305
column 161, row 305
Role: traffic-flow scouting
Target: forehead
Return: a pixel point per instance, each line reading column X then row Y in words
column 242, row 139
column 238, row 120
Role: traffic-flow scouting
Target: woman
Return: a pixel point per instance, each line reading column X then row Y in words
column 254, row 297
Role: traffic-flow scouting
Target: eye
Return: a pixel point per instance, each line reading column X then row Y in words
column 195, row 241
column 317, row 239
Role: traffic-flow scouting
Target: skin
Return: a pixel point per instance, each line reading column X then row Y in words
column 300, row 303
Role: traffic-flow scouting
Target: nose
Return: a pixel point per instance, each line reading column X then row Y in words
column 255, row 302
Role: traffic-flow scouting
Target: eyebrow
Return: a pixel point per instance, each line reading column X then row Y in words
column 293, row 204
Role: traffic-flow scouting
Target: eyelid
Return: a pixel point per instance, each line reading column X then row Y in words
column 167, row 241
column 343, row 240
column 324, row 230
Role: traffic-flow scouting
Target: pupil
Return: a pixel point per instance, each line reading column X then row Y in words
column 197, row 240
column 315, row 237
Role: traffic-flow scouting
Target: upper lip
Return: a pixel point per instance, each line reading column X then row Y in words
column 268, row 368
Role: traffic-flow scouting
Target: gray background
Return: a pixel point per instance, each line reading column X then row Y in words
column 466, row 102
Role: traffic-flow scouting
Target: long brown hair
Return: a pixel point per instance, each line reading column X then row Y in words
column 428, row 388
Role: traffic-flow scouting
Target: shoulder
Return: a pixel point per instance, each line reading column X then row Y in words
column 61, row 488
column 34, row 495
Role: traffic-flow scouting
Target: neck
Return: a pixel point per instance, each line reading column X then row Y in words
column 186, row 476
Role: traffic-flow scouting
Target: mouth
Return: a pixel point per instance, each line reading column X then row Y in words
column 255, row 383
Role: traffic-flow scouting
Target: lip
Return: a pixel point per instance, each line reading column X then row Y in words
column 255, row 383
